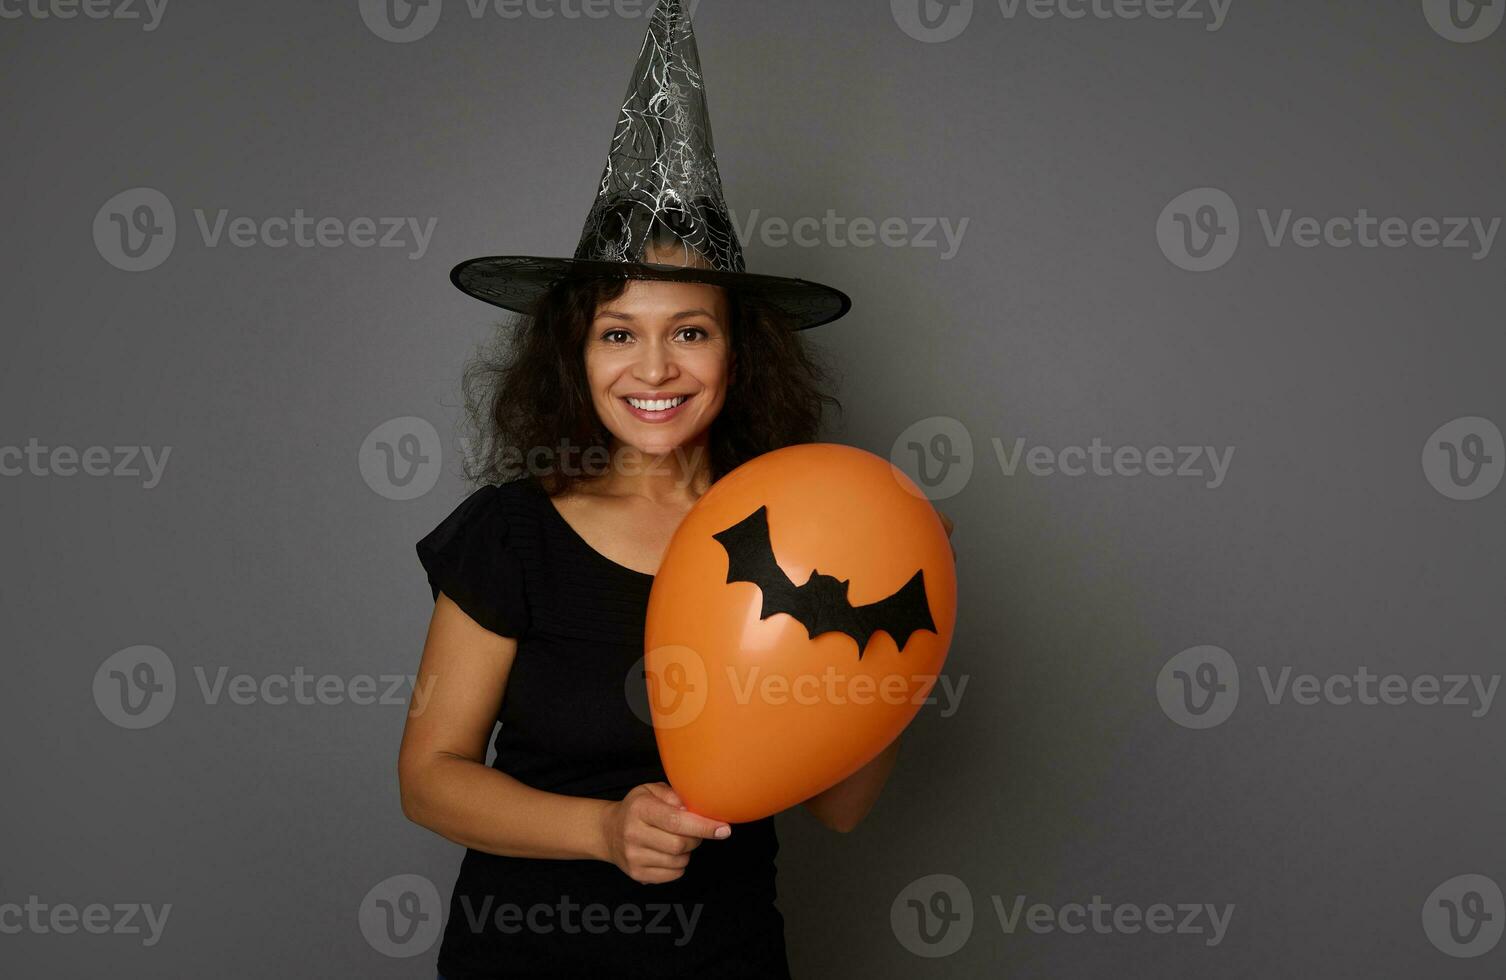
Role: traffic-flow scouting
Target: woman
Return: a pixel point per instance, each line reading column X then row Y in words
column 576, row 807
column 644, row 369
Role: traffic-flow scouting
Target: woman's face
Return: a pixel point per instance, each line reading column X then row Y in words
column 658, row 363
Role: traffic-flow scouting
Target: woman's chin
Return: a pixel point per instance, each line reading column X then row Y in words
column 657, row 447
column 652, row 448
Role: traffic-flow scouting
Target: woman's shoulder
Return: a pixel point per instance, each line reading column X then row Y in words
column 514, row 495
column 477, row 554
column 488, row 512
column 521, row 500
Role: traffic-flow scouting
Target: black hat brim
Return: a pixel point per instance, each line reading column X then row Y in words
column 517, row 282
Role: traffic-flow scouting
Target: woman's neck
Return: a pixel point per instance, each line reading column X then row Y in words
column 681, row 474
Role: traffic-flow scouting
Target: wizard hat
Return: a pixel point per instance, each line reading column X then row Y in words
column 660, row 187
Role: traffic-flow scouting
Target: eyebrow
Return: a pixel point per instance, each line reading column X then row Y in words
column 615, row 315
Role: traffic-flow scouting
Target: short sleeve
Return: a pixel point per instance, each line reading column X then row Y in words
column 468, row 558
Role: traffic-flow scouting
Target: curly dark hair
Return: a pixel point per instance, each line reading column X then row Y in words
column 526, row 392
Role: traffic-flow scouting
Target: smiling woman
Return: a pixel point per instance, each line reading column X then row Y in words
column 660, row 353
column 545, row 396
column 641, row 371
column 541, row 584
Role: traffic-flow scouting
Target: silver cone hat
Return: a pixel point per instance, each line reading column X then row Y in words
column 662, row 166
column 660, row 189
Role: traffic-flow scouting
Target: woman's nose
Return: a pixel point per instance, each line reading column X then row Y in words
column 656, row 363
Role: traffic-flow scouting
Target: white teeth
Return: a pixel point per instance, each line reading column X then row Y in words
column 656, row 406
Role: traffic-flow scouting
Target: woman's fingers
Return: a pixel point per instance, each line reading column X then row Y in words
column 670, row 816
column 665, row 792
column 658, row 859
column 686, row 824
column 663, row 842
column 946, row 522
column 660, row 833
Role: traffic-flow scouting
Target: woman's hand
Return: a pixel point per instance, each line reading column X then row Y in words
column 649, row 834
column 946, row 522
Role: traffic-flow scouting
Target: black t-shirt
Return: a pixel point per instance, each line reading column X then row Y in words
column 570, row 723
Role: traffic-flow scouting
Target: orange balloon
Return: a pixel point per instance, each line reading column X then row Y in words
column 778, row 684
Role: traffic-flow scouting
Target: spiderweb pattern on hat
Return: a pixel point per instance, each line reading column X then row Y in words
column 662, row 166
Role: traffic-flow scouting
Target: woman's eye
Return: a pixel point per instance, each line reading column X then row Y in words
column 696, row 333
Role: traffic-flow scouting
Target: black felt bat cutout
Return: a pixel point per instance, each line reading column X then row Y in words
column 821, row 604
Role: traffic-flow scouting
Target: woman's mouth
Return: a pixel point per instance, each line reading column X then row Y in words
column 656, row 409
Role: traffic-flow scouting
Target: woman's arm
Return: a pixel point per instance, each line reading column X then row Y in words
column 445, row 783
column 843, row 806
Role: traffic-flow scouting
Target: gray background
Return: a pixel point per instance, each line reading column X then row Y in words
column 264, row 548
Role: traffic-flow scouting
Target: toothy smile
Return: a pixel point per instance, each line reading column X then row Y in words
column 656, row 404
